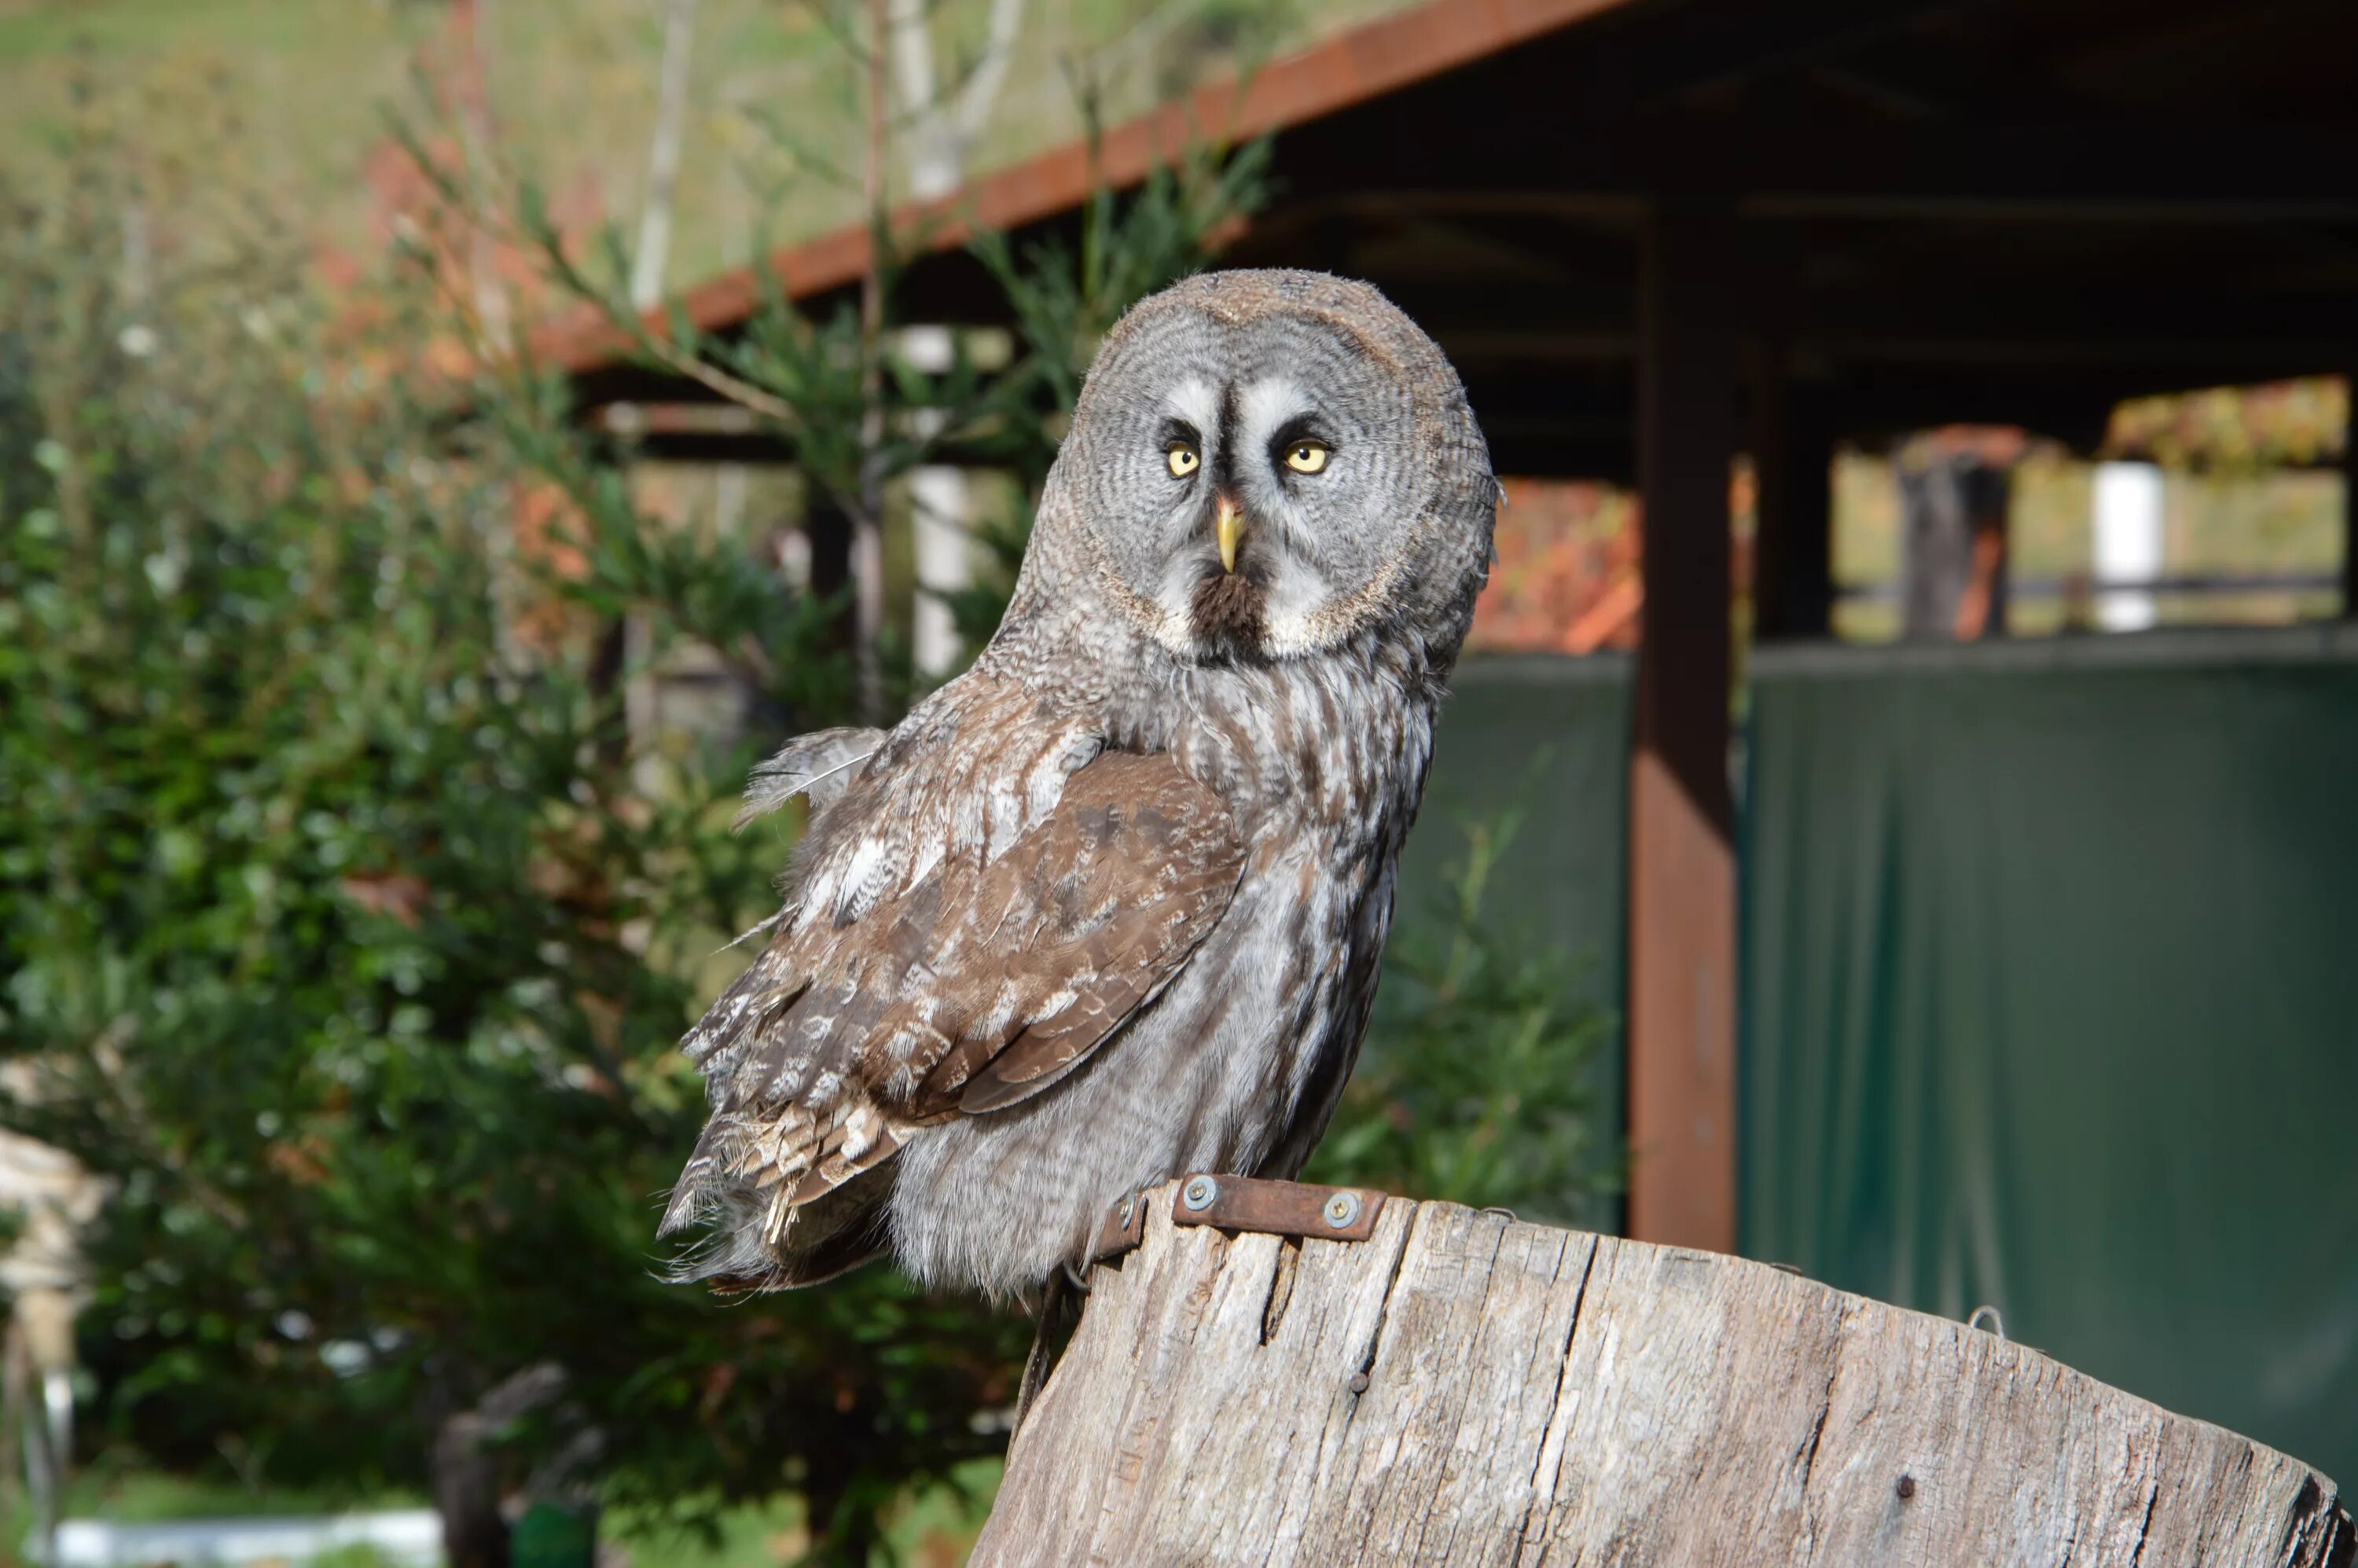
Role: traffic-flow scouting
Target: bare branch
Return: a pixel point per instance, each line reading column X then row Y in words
column 980, row 95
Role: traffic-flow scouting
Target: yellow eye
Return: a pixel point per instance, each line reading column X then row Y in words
column 1306, row 457
column 1184, row 460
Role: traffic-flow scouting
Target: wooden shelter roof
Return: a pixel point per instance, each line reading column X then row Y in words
column 2014, row 210
column 1358, row 65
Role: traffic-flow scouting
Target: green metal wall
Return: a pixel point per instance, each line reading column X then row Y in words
column 2051, row 1001
column 1550, row 735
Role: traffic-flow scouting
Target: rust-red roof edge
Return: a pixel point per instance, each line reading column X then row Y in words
column 1379, row 56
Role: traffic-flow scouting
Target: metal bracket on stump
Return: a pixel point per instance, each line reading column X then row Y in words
column 1246, row 1203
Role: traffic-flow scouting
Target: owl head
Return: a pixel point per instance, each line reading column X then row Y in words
column 1269, row 465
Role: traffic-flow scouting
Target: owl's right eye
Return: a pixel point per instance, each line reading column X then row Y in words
column 1182, row 458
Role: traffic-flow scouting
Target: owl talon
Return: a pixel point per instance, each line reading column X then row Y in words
column 1035, row 1364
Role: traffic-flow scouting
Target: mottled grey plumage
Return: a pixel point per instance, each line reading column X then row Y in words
column 1109, row 907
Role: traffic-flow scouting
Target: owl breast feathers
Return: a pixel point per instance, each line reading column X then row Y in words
column 1109, row 906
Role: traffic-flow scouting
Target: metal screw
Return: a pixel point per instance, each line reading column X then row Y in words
column 1343, row 1210
column 1906, row 1487
column 1199, row 1192
column 1129, row 1208
column 1358, row 1382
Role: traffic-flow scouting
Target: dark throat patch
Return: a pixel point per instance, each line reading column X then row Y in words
column 1230, row 616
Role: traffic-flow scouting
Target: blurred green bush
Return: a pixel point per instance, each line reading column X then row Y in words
column 347, row 933
column 1477, row 1082
column 348, row 924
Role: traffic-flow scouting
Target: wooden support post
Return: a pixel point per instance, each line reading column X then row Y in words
column 1791, row 440
column 1461, row 1389
column 1792, row 545
column 1681, row 1026
column 827, row 527
column 1953, row 505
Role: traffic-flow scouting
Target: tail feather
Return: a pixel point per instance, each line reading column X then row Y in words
column 830, row 1236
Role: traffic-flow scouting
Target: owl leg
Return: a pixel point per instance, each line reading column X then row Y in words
column 1054, row 1300
column 1036, row 1359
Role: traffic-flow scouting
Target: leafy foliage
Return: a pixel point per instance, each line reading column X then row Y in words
column 347, row 940
column 349, row 921
column 1477, row 1082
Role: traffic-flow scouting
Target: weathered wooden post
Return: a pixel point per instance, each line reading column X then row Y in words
column 1460, row 1387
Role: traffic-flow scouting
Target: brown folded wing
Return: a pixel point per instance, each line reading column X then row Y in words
column 976, row 988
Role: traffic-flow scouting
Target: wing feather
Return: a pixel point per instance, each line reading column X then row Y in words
column 820, row 766
column 984, row 984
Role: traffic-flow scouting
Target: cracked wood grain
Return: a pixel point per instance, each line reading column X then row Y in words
column 1463, row 1388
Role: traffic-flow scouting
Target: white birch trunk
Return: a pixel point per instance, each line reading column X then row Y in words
column 653, row 253
column 940, row 129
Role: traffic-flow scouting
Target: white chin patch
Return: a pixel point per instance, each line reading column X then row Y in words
column 1297, row 597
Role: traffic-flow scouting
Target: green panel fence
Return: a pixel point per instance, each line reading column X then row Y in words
column 1548, row 736
column 2051, row 1000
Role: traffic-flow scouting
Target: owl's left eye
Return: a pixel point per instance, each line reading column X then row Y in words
column 1182, row 458
column 1306, row 457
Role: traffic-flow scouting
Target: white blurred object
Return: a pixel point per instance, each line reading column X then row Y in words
column 2128, row 543
column 396, row 1535
column 55, row 1198
column 942, row 119
column 938, row 498
column 43, row 1279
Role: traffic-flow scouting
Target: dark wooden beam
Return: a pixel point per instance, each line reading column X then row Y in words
column 1792, row 444
column 1791, row 438
column 1962, row 77
column 2104, row 172
column 1681, row 1025
column 1714, row 48
column 827, row 530
column 1952, row 520
column 2109, row 170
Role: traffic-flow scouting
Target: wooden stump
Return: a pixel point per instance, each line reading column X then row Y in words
column 1465, row 1388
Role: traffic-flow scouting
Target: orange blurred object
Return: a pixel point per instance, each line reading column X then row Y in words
column 1566, row 576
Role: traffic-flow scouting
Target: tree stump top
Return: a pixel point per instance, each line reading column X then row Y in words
column 1461, row 1387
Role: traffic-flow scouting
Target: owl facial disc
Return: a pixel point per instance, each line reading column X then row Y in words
column 1245, row 456
column 1270, row 466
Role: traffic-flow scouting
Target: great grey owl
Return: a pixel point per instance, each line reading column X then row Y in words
column 1107, row 907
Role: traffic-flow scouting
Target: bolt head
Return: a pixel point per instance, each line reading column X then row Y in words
column 1199, row 1192
column 1342, row 1210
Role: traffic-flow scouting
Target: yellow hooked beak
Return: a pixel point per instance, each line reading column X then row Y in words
column 1231, row 531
